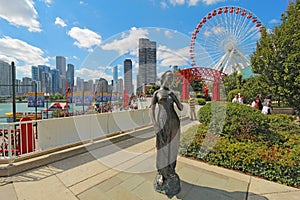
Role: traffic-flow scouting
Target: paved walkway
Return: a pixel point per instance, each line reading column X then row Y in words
column 126, row 170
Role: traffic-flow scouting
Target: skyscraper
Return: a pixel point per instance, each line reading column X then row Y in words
column 147, row 63
column 5, row 78
column 70, row 75
column 26, row 81
column 115, row 77
column 45, row 77
column 61, row 67
column 120, row 86
column 79, row 84
column 55, row 80
column 34, row 73
column 128, row 76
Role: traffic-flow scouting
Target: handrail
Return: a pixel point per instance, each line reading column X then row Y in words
column 25, row 138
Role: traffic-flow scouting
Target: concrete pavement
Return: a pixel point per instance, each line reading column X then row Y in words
column 126, row 170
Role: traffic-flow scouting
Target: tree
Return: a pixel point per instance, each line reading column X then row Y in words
column 197, row 85
column 277, row 57
column 253, row 86
column 233, row 81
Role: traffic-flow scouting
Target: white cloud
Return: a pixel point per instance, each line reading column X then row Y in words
column 128, row 42
column 85, row 38
column 177, row 2
column 20, row 13
column 167, row 56
column 60, row 22
column 168, row 34
column 274, row 21
column 82, row 3
column 163, row 4
column 48, row 1
column 210, row 2
column 189, row 2
column 207, row 33
column 88, row 74
column 193, row 2
column 21, row 52
column 217, row 30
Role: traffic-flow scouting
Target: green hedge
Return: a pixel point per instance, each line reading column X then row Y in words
column 263, row 145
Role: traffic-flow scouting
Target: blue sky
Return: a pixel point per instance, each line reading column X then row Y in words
column 95, row 35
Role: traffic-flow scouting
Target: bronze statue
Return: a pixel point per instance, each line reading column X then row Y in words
column 167, row 128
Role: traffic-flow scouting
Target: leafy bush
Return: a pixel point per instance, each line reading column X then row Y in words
column 237, row 120
column 263, row 145
column 231, row 94
column 201, row 101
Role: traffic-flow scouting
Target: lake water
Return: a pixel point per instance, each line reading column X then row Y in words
column 23, row 107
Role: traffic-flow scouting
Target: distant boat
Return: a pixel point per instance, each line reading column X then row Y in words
column 61, row 108
column 20, row 115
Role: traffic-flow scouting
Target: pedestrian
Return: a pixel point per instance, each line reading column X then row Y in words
column 255, row 103
column 241, row 99
column 260, row 105
column 267, row 105
column 192, row 104
column 235, row 99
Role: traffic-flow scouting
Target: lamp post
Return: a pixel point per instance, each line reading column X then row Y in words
column 35, row 95
column 102, row 97
column 112, row 85
column 47, row 95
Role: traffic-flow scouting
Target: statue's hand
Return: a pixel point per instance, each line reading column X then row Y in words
column 172, row 94
column 156, row 127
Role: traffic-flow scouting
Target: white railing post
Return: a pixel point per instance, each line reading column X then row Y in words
column 9, row 145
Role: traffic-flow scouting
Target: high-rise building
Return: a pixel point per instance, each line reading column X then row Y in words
column 115, row 78
column 55, row 81
column 5, row 78
column 18, row 87
column 147, row 63
column 34, row 73
column 120, row 86
column 79, row 84
column 45, row 77
column 70, row 75
column 27, row 85
column 103, row 85
column 61, row 67
column 128, row 76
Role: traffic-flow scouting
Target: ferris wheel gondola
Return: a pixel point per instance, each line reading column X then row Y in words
column 224, row 39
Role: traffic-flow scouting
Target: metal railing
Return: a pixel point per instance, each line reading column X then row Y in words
column 16, row 139
column 25, row 139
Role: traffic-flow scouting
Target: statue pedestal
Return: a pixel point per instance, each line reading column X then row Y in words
column 169, row 187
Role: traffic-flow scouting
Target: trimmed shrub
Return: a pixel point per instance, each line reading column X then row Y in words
column 201, row 101
column 267, row 146
column 231, row 94
column 237, row 120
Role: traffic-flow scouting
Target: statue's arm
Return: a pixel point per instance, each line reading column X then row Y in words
column 177, row 102
column 152, row 106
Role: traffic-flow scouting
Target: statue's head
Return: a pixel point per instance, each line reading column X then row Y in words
column 167, row 78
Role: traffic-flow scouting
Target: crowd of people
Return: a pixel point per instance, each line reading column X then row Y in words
column 265, row 106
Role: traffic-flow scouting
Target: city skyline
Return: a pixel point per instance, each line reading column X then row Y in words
column 48, row 29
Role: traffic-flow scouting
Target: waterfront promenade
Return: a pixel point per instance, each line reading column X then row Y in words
column 125, row 169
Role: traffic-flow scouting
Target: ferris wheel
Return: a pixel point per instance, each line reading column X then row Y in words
column 224, row 39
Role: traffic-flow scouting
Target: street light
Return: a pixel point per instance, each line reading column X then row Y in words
column 102, row 96
column 47, row 95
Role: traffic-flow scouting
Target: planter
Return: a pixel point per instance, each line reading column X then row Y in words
column 288, row 111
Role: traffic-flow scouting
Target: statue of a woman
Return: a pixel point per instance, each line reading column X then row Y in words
column 167, row 129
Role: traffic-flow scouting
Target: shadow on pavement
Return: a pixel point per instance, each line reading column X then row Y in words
column 190, row 191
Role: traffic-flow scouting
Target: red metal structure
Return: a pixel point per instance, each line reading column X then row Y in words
column 204, row 74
